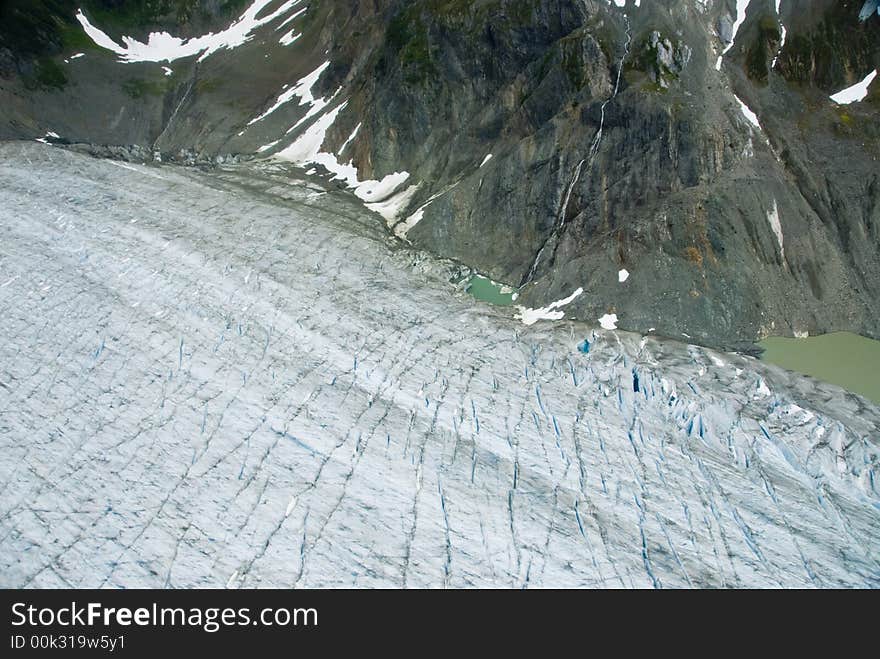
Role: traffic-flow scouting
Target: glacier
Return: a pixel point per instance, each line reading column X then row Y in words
column 238, row 379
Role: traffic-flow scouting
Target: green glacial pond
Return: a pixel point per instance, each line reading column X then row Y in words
column 489, row 291
column 842, row 358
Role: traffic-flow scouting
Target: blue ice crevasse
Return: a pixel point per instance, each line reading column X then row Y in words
column 870, row 7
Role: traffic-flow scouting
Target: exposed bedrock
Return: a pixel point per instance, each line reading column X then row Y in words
column 691, row 143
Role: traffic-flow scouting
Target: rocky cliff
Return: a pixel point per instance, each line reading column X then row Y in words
column 548, row 144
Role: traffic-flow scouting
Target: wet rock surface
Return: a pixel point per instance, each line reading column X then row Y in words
column 235, row 378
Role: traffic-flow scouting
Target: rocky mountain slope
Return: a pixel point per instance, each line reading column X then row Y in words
column 692, row 143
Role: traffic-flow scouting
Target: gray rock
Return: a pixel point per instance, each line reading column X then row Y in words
column 667, row 178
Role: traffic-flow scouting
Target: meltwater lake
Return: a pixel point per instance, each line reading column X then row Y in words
column 846, row 359
column 489, row 291
column 842, row 358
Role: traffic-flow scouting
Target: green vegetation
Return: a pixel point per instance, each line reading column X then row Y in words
column 208, row 85
column 135, row 14
column 645, row 62
column 837, row 43
column 34, row 29
column 763, row 49
column 407, row 40
column 412, row 34
column 49, row 74
column 139, row 87
column 46, row 74
column 572, row 60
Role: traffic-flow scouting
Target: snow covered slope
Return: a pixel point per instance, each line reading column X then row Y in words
column 237, row 379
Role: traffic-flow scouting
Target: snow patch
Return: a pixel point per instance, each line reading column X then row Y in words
column 856, row 93
column 371, row 191
column 550, row 312
column 350, row 139
column 49, row 135
column 163, row 47
column 391, row 207
column 741, row 6
column 379, row 195
column 289, row 38
column 748, row 114
column 783, row 34
column 776, row 225
column 292, row 35
column 302, row 89
column 608, row 321
column 404, row 227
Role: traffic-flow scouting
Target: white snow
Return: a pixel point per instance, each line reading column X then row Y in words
column 379, row 195
column 391, row 206
column 290, row 506
column 289, row 38
column 747, row 113
column 784, row 34
column 776, row 225
column 622, row 275
column 608, row 321
column 741, row 6
column 49, row 134
column 795, row 410
column 350, row 138
column 307, row 146
column 163, row 47
column 485, row 160
column 140, row 169
column 550, row 312
column 167, row 70
column 404, row 227
column 856, row 93
column 302, row 89
column 292, row 35
column 378, row 190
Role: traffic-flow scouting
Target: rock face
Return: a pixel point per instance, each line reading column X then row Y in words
column 691, row 143
column 238, row 379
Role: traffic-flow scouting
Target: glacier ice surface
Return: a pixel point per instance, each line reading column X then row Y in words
column 234, row 379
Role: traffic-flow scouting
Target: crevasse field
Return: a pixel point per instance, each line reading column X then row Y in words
column 242, row 380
